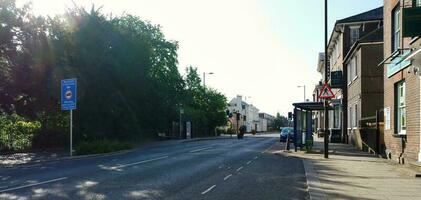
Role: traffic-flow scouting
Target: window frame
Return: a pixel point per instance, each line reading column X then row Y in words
column 350, row 117
column 354, row 35
column 400, row 108
column 355, row 116
column 396, row 27
column 355, row 65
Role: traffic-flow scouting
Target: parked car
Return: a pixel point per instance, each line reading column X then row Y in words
column 284, row 134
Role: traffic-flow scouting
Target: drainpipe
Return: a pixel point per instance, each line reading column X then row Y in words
column 419, row 154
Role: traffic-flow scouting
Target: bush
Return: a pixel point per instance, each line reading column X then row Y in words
column 16, row 132
column 100, row 146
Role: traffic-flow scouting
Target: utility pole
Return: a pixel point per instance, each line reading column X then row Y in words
column 326, row 103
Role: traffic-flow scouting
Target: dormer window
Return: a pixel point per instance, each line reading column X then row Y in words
column 354, row 34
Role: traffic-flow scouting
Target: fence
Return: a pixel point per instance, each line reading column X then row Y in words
column 372, row 133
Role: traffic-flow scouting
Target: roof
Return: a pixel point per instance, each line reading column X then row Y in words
column 310, row 105
column 373, row 36
column 371, row 15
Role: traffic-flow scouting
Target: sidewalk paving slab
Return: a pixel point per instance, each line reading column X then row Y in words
column 352, row 174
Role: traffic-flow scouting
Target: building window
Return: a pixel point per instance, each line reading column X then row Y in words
column 355, row 117
column 417, row 3
column 396, row 28
column 349, row 117
column 354, row 34
column 352, row 69
column 400, row 108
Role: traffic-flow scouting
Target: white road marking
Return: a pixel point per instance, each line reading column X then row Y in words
column 196, row 150
column 227, row 177
column 209, row 189
column 255, row 157
column 240, row 168
column 248, row 163
column 140, row 162
column 33, row 184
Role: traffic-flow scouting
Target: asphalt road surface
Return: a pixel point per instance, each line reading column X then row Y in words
column 209, row 169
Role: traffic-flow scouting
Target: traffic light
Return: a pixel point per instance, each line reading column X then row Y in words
column 289, row 115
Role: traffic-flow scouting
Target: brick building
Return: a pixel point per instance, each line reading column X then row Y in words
column 345, row 34
column 402, row 62
column 365, row 90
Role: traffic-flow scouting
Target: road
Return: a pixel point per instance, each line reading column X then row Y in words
column 209, row 169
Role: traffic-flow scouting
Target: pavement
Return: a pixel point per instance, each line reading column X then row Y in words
column 201, row 169
column 349, row 173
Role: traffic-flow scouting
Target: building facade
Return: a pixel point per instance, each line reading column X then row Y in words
column 365, row 90
column 402, row 62
column 267, row 122
column 345, row 34
column 244, row 114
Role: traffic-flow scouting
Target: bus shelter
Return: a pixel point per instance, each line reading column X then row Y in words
column 303, row 121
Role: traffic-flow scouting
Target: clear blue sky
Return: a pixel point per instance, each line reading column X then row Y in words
column 262, row 49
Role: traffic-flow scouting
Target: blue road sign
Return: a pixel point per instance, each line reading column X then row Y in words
column 68, row 94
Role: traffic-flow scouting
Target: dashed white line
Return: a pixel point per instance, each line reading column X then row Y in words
column 196, row 150
column 255, row 157
column 248, row 163
column 209, row 189
column 140, row 162
column 227, row 177
column 240, row 168
column 33, row 184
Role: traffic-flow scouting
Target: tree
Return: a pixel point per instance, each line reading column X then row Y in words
column 281, row 121
column 204, row 106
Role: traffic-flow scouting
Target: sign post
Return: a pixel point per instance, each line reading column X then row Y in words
column 68, row 102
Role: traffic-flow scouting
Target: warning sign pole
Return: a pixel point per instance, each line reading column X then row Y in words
column 326, row 134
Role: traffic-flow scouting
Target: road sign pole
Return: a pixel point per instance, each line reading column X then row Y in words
column 71, row 132
column 326, row 134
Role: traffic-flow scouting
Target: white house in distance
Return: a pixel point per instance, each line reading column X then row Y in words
column 249, row 115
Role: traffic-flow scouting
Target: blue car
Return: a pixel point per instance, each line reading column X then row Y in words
column 284, row 134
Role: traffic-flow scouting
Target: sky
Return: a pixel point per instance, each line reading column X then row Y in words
column 260, row 49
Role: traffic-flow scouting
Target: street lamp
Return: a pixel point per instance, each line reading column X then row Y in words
column 204, row 78
column 303, row 86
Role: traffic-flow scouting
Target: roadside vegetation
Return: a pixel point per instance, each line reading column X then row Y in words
column 129, row 86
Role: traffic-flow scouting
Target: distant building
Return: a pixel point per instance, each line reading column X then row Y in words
column 267, row 122
column 248, row 115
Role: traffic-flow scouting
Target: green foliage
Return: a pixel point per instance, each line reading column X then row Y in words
column 204, row 106
column 16, row 132
column 100, row 146
column 281, row 121
column 128, row 82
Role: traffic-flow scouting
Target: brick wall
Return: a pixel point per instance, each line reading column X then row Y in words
column 396, row 145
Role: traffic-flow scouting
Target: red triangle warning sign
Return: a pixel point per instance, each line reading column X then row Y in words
column 326, row 92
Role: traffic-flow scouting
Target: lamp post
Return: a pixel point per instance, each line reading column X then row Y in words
column 204, row 78
column 303, row 86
